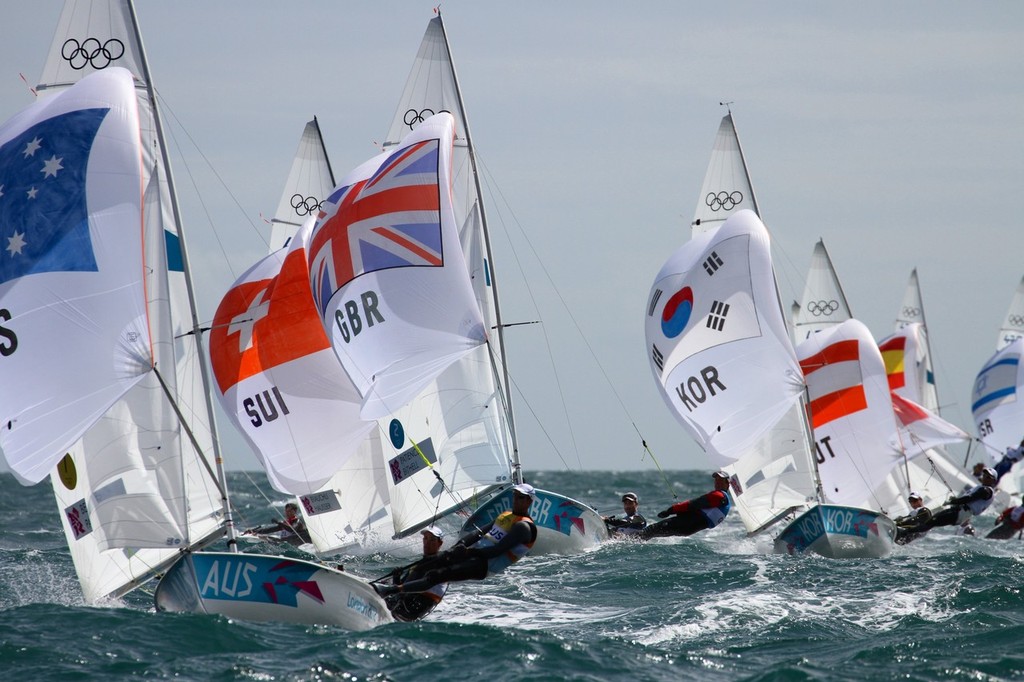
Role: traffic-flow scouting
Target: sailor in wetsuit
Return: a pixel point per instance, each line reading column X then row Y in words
column 415, row 605
column 701, row 513
column 919, row 514
column 486, row 551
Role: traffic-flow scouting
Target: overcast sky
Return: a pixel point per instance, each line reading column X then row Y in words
column 895, row 131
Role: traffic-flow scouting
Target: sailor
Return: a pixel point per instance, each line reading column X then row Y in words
column 291, row 530
column 692, row 516
column 484, row 552
column 415, row 605
column 1009, row 523
column 1012, row 456
column 632, row 521
column 958, row 511
column 919, row 514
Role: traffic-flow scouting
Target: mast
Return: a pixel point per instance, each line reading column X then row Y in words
column 323, row 148
column 229, row 525
column 517, row 473
column 743, row 160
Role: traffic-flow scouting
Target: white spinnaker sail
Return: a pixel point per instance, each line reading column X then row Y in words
column 309, row 182
column 76, row 332
column 851, row 412
column 996, row 401
column 823, row 304
column 726, row 187
column 388, row 274
column 277, row 376
column 1013, row 324
column 717, row 341
column 124, row 469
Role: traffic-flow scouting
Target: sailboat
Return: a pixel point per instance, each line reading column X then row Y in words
column 138, row 485
column 726, row 189
column 310, row 180
column 382, row 271
column 933, row 473
column 564, row 524
column 995, row 400
column 720, row 353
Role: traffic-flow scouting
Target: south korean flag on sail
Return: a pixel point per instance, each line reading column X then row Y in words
column 717, row 342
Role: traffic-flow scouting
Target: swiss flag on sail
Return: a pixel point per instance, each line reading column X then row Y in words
column 263, row 323
column 834, row 382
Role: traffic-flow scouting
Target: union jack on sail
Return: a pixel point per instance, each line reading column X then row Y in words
column 390, row 220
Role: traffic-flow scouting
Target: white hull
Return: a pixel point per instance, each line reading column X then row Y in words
column 564, row 526
column 838, row 532
column 259, row 587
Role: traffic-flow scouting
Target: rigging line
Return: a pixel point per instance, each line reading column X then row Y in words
column 491, row 189
column 533, row 300
column 668, row 483
column 166, row 108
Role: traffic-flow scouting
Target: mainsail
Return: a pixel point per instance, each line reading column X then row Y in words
column 726, row 189
column 309, row 182
column 1013, row 324
column 140, row 470
column 823, row 304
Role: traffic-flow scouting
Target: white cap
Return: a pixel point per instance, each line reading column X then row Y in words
column 435, row 531
column 524, row 488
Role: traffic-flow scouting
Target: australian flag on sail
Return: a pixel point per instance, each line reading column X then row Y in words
column 44, row 224
column 390, row 220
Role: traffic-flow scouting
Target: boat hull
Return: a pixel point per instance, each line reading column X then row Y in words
column 838, row 532
column 564, row 525
column 259, row 587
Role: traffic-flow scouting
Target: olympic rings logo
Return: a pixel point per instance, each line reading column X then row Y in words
column 305, row 205
column 911, row 312
column 413, row 118
column 91, row 53
column 819, row 308
column 1016, row 320
column 723, row 201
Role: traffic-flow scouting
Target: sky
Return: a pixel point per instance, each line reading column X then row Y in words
column 893, row 131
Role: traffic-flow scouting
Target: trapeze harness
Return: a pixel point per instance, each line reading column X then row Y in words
column 499, row 529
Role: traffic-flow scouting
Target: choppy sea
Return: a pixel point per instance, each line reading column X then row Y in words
column 716, row 606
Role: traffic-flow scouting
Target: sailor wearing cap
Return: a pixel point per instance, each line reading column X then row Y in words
column 632, row 521
column 959, row 509
column 906, row 525
column 415, row 605
column 484, row 552
column 692, row 516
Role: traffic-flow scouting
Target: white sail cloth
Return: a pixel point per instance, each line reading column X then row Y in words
column 996, row 401
column 388, row 275
column 73, row 326
column 726, row 189
column 277, row 376
column 823, row 304
column 717, row 340
column 851, row 412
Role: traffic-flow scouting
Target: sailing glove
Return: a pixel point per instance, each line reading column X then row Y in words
column 665, row 514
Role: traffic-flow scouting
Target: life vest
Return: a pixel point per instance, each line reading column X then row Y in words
column 978, row 506
column 501, row 526
column 715, row 515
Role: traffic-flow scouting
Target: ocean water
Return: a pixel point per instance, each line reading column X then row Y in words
column 716, row 606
